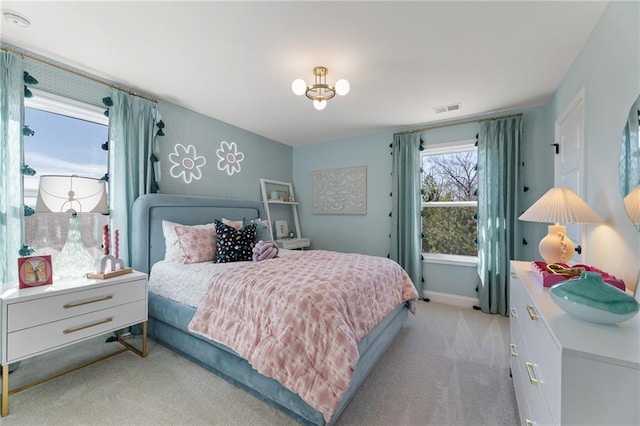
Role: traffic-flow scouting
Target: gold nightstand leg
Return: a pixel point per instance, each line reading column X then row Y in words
column 5, row 390
column 141, row 352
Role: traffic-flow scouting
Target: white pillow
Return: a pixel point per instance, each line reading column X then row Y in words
column 172, row 250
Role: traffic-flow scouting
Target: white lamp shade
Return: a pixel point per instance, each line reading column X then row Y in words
column 73, row 194
column 342, row 87
column 560, row 205
column 320, row 105
column 632, row 205
column 299, row 87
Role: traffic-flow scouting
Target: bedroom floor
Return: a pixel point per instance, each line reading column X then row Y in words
column 449, row 366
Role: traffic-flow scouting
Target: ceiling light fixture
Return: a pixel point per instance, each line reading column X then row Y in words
column 16, row 19
column 320, row 92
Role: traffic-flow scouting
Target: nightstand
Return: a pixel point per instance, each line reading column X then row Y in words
column 41, row 319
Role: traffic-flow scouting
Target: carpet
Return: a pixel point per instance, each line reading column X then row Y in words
column 448, row 366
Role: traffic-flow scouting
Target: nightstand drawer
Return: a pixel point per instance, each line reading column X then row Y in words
column 31, row 313
column 31, row 341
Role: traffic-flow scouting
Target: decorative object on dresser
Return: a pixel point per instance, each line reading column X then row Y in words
column 590, row 299
column 34, row 271
column 74, row 195
column 41, row 319
column 568, row 371
column 559, row 205
column 547, row 278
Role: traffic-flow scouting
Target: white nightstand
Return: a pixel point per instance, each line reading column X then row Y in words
column 41, row 319
column 293, row 243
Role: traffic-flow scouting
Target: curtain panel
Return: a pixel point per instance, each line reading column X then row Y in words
column 132, row 131
column 11, row 139
column 499, row 205
column 628, row 163
column 406, row 224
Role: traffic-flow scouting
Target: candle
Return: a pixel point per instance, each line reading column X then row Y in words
column 105, row 239
column 116, row 245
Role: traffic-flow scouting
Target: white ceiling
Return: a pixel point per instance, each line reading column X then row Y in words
column 235, row 61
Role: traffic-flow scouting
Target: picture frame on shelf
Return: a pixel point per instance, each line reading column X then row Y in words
column 34, row 271
column 282, row 229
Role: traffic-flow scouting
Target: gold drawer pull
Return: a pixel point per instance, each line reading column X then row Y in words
column 529, row 422
column 82, row 327
column 532, row 312
column 530, row 372
column 513, row 349
column 86, row 302
column 514, row 313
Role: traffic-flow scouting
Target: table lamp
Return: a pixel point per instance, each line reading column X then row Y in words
column 559, row 205
column 632, row 205
column 73, row 195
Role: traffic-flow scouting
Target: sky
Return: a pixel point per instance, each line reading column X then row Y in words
column 62, row 146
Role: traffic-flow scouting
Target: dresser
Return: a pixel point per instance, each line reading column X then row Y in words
column 567, row 371
column 41, row 319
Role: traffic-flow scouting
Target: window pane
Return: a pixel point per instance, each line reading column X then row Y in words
column 62, row 145
column 449, row 177
column 449, row 230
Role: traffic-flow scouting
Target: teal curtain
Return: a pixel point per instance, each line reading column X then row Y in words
column 406, row 227
column 499, row 205
column 132, row 131
column 11, row 189
column 629, row 159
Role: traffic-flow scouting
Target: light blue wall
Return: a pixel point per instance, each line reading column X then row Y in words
column 369, row 233
column 262, row 157
column 608, row 69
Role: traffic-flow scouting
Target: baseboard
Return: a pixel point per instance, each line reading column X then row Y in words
column 451, row 299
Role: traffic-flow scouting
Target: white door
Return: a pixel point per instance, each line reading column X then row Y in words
column 569, row 161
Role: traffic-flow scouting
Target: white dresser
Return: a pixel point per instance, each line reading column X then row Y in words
column 567, row 371
column 40, row 319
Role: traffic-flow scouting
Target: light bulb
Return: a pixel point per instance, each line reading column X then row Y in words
column 342, row 87
column 319, row 105
column 299, row 86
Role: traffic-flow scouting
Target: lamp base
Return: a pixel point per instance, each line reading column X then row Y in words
column 73, row 261
column 556, row 247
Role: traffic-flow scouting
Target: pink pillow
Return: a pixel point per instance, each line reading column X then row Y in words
column 197, row 244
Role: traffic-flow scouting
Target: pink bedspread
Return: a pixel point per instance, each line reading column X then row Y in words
column 298, row 318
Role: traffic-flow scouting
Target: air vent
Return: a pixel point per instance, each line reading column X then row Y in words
column 447, row 108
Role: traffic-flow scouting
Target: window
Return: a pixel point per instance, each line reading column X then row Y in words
column 449, row 201
column 68, row 140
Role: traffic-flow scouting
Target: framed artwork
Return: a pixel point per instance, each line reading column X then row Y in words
column 282, row 229
column 34, row 271
column 339, row 191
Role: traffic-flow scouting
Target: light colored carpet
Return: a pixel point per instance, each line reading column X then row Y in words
column 449, row 366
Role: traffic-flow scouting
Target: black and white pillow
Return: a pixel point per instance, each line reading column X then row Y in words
column 234, row 245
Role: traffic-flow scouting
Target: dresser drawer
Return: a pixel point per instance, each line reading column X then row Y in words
column 529, row 391
column 43, row 310
column 31, row 341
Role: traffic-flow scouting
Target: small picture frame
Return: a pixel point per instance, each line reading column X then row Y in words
column 34, row 271
column 282, row 229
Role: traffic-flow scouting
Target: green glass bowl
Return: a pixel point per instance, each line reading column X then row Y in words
column 590, row 299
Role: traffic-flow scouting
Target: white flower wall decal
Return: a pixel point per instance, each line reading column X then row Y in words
column 186, row 163
column 229, row 157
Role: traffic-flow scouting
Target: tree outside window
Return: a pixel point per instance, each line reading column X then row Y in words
column 449, row 201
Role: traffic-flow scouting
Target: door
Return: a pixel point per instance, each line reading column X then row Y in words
column 569, row 161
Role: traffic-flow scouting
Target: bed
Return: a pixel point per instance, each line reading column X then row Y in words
column 169, row 319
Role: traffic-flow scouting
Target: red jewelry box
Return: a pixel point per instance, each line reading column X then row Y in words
column 547, row 279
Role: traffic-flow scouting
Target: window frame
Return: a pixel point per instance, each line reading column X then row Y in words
column 439, row 149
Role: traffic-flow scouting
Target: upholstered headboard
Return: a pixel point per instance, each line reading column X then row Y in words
column 147, row 241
